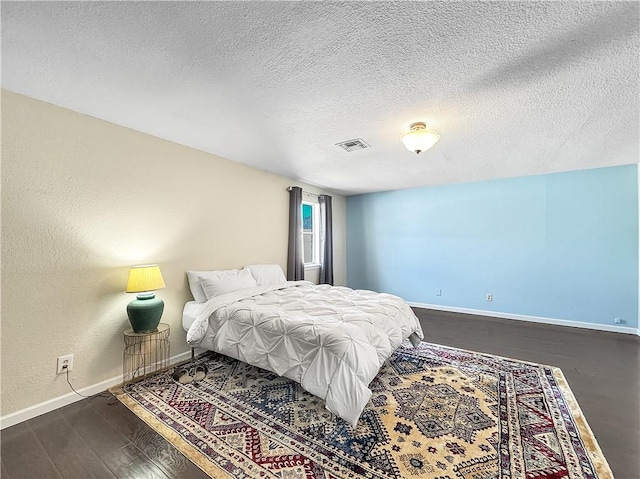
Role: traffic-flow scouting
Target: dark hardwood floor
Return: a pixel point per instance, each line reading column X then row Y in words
column 91, row 439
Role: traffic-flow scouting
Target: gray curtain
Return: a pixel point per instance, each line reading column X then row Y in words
column 295, row 263
column 326, row 240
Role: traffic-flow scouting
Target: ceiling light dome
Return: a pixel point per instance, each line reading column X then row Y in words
column 418, row 138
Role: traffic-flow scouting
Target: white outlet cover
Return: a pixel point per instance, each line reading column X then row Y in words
column 62, row 360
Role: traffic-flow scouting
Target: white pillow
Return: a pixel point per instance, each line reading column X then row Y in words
column 194, row 284
column 227, row 282
column 195, row 277
column 267, row 274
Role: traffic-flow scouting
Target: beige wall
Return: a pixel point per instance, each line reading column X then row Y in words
column 82, row 200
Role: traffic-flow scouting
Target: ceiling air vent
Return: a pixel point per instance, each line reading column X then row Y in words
column 353, row 145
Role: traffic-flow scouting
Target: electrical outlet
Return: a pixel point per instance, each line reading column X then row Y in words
column 438, row 292
column 618, row 320
column 65, row 363
column 489, row 297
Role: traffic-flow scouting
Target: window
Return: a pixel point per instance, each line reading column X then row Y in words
column 310, row 233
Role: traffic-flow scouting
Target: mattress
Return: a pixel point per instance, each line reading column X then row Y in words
column 190, row 312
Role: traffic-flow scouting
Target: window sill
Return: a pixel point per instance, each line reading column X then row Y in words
column 309, row 266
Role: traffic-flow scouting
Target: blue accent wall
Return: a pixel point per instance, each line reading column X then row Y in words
column 562, row 246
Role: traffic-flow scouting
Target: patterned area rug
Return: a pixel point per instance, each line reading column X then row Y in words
column 436, row 412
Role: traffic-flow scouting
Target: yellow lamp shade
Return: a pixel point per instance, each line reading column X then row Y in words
column 145, row 278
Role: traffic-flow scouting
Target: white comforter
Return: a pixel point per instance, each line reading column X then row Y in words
column 332, row 340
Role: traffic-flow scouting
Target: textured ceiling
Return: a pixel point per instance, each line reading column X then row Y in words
column 514, row 88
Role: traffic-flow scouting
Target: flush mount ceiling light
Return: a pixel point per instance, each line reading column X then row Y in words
column 419, row 138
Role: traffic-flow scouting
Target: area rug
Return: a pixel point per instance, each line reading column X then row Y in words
column 436, row 412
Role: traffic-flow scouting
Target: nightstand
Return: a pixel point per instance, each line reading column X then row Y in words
column 145, row 353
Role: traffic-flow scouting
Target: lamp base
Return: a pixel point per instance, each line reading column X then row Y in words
column 145, row 312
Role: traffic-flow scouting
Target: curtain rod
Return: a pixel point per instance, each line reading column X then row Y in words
column 289, row 188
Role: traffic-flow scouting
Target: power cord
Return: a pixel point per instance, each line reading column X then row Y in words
column 111, row 399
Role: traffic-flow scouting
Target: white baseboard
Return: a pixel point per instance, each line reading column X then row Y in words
column 60, row 401
column 533, row 319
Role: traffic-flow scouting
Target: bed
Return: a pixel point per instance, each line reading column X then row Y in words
column 332, row 340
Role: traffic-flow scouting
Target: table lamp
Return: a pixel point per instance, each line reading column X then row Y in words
column 146, row 310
